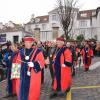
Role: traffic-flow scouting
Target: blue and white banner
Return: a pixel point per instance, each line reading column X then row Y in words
column 2, row 37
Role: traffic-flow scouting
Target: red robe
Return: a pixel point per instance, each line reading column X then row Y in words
column 87, row 55
column 15, row 80
column 62, row 69
column 30, row 85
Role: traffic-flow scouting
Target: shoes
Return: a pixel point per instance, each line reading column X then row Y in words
column 56, row 94
column 9, row 95
column 13, row 95
column 53, row 95
column 65, row 93
column 60, row 94
column 86, row 69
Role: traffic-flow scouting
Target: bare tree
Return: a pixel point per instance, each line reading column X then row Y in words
column 66, row 11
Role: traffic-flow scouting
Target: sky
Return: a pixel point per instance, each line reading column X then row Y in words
column 20, row 11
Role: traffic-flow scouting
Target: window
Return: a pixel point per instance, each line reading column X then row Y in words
column 29, row 30
column 36, row 26
column 37, row 20
column 43, row 26
column 83, row 23
column 84, row 15
column 93, row 13
column 15, row 39
column 54, row 17
column 53, row 24
column 45, row 19
column 44, row 35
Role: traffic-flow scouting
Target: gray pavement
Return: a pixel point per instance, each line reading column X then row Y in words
column 90, row 78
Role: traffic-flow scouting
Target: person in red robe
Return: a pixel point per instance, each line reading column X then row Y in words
column 15, row 69
column 30, row 76
column 62, row 69
column 87, row 54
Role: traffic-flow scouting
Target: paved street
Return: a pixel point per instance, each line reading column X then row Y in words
column 91, row 78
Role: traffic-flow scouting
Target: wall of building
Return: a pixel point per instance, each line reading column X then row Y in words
column 98, row 28
column 10, row 36
column 89, row 28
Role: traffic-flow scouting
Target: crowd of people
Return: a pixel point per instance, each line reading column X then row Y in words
column 26, row 62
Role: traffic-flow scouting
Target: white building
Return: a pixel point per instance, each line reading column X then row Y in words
column 89, row 24
column 98, row 23
column 48, row 27
column 37, row 25
column 11, row 32
column 86, row 22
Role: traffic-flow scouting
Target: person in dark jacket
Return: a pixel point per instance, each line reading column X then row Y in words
column 7, row 60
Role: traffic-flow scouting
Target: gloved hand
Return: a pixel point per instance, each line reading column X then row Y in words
column 30, row 64
column 63, row 65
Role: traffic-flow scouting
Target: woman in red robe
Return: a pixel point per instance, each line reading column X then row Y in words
column 15, row 70
column 87, row 54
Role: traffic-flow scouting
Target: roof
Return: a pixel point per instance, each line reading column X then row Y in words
column 39, row 19
column 8, row 29
column 43, row 19
column 86, row 14
column 56, row 9
column 16, row 27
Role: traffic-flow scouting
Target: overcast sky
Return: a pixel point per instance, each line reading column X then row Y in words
column 20, row 11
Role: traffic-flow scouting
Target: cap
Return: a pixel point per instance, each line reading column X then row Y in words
column 60, row 39
column 30, row 39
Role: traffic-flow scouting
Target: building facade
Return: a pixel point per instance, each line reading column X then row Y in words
column 12, row 32
column 48, row 27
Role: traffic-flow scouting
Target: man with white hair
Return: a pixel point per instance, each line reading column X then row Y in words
column 62, row 64
column 68, row 44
